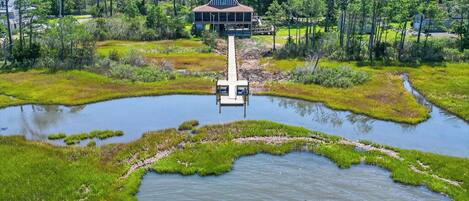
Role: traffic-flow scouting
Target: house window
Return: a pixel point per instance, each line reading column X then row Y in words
column 206, row 17
column 231, row 16
column 198, row 16
column 214, row 16
column 247, row 17
column 239, row 17
column 222, row 16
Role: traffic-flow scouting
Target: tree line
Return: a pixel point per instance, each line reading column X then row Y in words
column 364, row 30
column 371, row 29
column 62, row 42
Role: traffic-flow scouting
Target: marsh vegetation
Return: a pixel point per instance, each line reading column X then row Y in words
column 77, row 138
column 211, row 151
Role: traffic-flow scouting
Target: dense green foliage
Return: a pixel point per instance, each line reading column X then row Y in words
column 375, row 30
column 342, row 77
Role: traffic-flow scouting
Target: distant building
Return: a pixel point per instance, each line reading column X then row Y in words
column 227, row 17
column 14, row 19
column 443, row 25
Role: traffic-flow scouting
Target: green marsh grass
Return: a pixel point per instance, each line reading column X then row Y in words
column 77, row 138
column 183, row 53
column 104, row 134
column 81, row 87
column 445, row 85
column 188, row 125
column 382, row 97
column 72, row 173
column 56, row 136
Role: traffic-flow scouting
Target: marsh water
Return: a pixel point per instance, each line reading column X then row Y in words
column 295, row 176
column 443, row 133
column 298, row 176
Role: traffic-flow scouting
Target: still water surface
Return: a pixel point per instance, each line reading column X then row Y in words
column 443, row 133
column 295, row 176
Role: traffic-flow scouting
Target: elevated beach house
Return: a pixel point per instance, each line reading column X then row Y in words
column 227, row 17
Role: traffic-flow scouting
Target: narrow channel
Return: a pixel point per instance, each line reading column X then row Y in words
column 443, row 133
column 295, row 176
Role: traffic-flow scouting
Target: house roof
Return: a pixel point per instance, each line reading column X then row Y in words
column 223, row 6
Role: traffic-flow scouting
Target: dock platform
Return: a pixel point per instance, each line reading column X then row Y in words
column 232, row 92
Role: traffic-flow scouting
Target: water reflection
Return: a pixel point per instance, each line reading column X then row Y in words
column 441, row 133
column 323, row 115
column 364, row 124
column 316, row 110
column 36, row 120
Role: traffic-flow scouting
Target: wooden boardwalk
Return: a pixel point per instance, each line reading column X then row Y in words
column 232, row 91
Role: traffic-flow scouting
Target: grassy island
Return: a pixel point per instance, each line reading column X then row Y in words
column 114, row 171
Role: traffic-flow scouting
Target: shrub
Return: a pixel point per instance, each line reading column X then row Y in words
column 165, row 65
column 149, row 74
column 122, row 71
column 142, row 74
column 135, row 58
column 210, row 39
column 149, row 34
column 188, row 125
column 28, row 55
column 56, row 136
column 114, row 55
column 454, row 55
column 342, row 77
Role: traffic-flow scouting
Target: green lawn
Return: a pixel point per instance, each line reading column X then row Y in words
column 39, row 171
column 183, row 53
